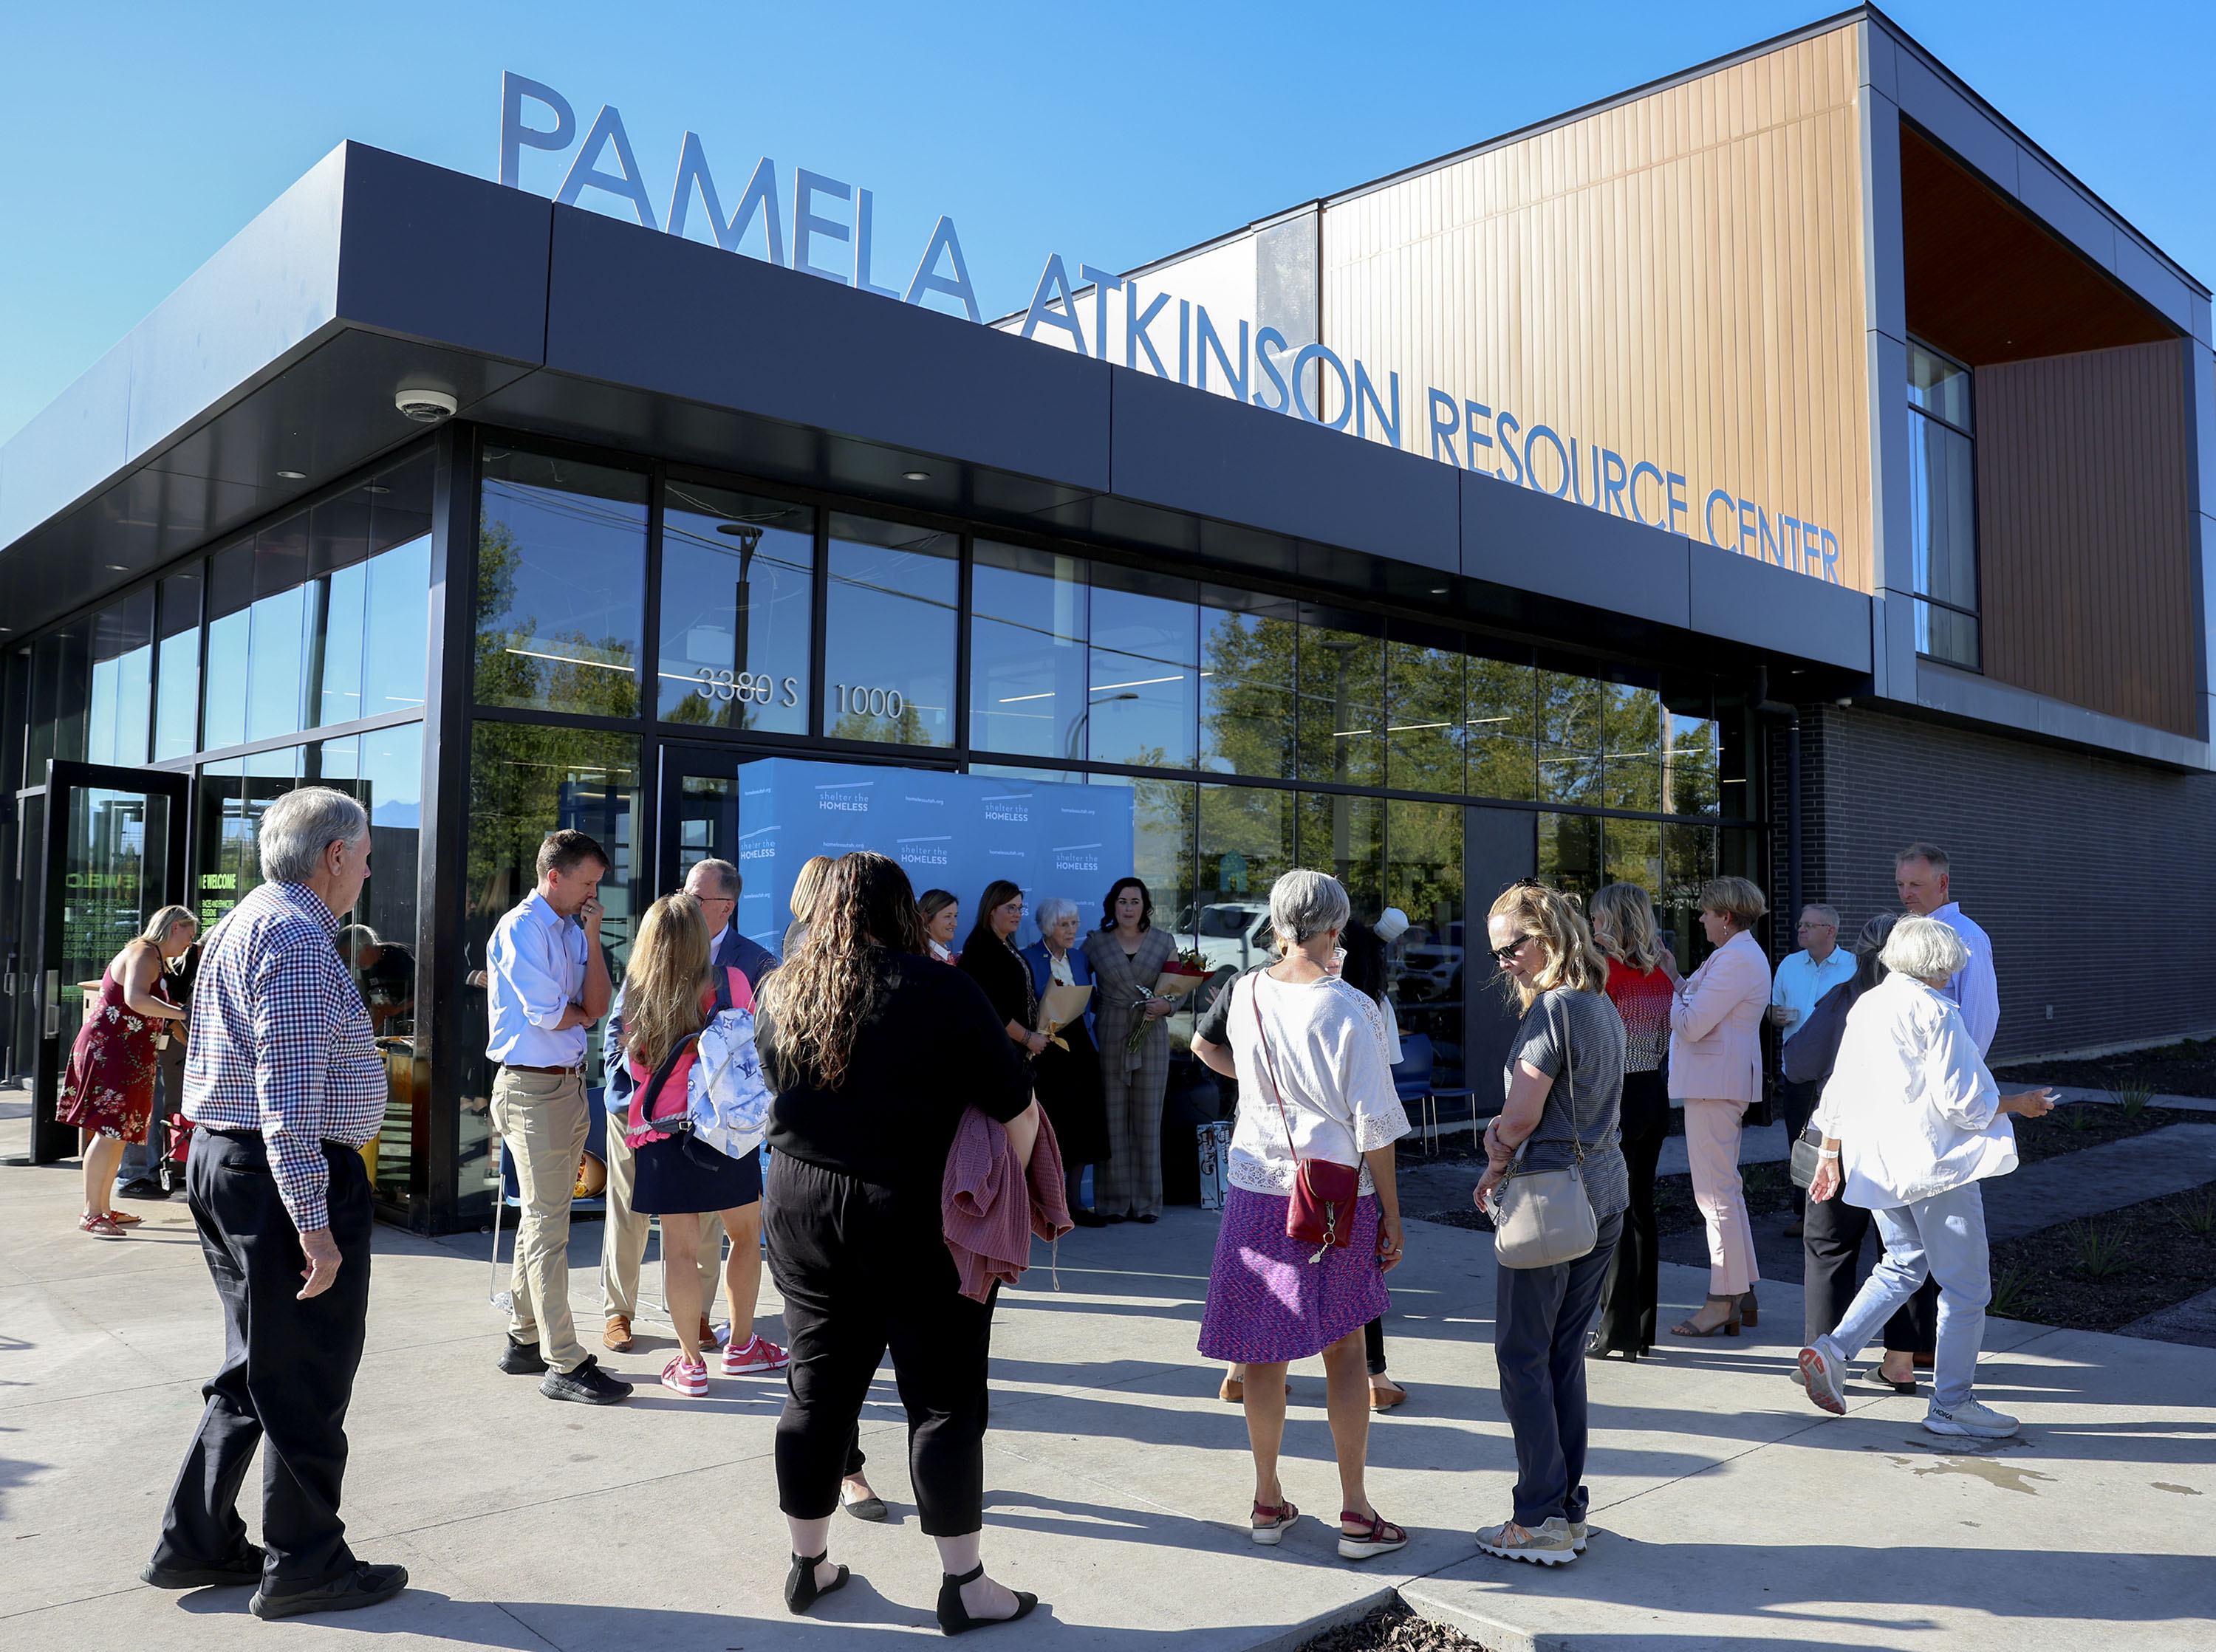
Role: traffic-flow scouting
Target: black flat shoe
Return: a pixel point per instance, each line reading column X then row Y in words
column 142, row 1186
column 800, row 1589
column 1088, row 1218
column 954, row 1618
column 522, row 1358
column 365, row 1586
column 1149, row 1219
column 1111, row 1221
column 242, row 1569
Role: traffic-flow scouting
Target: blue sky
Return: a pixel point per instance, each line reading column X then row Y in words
column 141, row 137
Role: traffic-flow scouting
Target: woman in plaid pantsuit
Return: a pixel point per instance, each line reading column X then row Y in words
column 1127, row 956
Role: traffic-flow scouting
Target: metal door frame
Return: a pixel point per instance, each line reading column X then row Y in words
column 52, row 1142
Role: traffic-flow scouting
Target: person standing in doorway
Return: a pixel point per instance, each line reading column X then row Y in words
column 147, row 1171
column 1715, row 1069
column 108, row 1090
column 1802, row 980
column 547, row 981
column 285, row 1085
column 1127, row 953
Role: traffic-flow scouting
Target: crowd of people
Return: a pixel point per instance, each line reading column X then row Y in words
column 921, row 1117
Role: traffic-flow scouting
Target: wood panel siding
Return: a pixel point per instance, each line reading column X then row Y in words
column 1986, row 283
column 1677, row 279
column 2084, row 537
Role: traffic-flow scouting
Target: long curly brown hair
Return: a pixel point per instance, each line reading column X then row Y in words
column 819, row 996
column 668, row 972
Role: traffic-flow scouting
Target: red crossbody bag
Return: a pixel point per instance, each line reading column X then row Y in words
column 1321, row 1212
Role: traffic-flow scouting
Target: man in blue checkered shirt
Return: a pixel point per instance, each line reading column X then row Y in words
column 285, row 1085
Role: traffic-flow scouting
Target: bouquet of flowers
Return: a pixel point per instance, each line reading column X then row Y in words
column 1182, row 973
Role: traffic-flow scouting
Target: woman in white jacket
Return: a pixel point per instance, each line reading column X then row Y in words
column 1912, row 1122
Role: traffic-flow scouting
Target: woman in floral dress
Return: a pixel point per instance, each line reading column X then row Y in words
column 108, row 1092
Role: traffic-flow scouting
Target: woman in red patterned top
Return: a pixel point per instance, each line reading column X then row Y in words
column 1641, row 979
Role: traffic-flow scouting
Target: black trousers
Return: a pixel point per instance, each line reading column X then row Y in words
column 1633, row 1287
column 1798, row 1101
column 1832, row 1236
column 1541, row 1316
column 863, row 1269
column 288, row 1369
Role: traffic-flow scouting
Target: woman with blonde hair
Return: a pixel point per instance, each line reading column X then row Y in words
column 699, row 1111
column 1571, row 1032
column 875, row 1053
column 804, row 901
column 108, row 1090
column 1641, row 984
column 1715, row 1069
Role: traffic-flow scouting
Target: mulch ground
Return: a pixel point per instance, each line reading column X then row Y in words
column 2075, row 1126
column 1392, row 1628
column 2155, row 1257
column 2186, row 1069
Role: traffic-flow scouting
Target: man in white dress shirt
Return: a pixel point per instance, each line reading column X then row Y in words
column 547, row 979
column 1920, row 872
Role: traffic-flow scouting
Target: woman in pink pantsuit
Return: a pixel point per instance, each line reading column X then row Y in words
column 1715, row 1069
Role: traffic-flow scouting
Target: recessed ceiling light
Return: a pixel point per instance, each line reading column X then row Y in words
column 1438, row 591
column 118, row 568
column 916, row 475
column 292, row 475
column 377, row 487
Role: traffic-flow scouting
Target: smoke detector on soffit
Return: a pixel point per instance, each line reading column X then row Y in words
column 426, row 406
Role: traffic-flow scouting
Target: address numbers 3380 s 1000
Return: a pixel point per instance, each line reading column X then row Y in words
column 759, row 687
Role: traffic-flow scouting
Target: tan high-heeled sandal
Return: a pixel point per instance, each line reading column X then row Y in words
column 1729, row 1328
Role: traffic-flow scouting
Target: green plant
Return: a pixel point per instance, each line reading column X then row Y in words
column 2134, row 1099
column 2073, row 1116
column 2196, row 1211
column 2011, row 1294
column 1760, row 1178
column 2100, row 1249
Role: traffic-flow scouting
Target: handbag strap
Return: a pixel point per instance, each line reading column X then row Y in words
column 1269, row 1066
column 1570, row 1075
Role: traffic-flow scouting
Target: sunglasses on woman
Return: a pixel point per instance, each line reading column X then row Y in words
column 1502, row 954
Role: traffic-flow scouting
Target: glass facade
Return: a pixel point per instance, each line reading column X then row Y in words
column 1251, row 731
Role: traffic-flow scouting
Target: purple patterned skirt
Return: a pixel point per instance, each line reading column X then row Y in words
column 1268, row 1303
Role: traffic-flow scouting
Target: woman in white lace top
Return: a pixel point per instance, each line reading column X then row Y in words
column 1314, row 1083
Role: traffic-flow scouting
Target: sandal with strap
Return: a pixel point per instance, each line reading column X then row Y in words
column 954, row 1618
column 1728, row 1327
column 801, row 1590
column 1379, row 1536
column 124, row 1218
column 100, row 1227
column 1272, row 1522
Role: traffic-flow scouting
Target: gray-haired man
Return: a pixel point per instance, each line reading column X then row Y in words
column 285, row 1085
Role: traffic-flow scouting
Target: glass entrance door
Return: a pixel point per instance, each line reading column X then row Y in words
column 114, row 855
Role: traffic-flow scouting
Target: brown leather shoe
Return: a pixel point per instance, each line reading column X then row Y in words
column 708, row 1333
column 616, row 1336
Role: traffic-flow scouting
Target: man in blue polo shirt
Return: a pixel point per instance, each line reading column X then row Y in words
column 1800, row 984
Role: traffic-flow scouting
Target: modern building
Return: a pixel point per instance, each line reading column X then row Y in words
column 1752, row 472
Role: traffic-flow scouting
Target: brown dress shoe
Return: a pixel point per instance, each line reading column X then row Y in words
column 616, row 1336
column 708, row 1333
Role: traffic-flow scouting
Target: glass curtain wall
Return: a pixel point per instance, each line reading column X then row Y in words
column 1943, row 507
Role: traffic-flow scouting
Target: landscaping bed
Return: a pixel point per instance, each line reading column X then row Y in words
column 2075, row 1126
column 2101, row 1273
column 2185, row 1069
column 1392, row 1628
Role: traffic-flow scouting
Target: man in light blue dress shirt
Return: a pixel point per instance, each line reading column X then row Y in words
column 1796, row 988
column 547, row 981
column 1921, row 873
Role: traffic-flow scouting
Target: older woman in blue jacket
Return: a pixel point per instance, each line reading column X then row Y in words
column 1069, row 1080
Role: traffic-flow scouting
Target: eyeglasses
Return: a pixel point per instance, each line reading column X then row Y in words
column 1502, row 954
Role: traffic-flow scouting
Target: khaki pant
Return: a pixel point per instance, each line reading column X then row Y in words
column 542, row 1122
column 623, row 1239
column 1712, row 1150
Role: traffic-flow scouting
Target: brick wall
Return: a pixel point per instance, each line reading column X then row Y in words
column 2091, row 875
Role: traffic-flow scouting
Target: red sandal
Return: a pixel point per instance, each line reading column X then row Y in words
column 124, row 1218
column 1379, row 1536
column 100, row 1227
column 1270, row 1523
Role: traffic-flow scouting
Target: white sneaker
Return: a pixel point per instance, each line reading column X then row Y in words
column 1823, row 1375
column 1548, row 1544
column 1970, row 1419
column 1578, row 1535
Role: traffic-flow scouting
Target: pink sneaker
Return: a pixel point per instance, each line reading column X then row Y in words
column 755, row 1355
column 688, row 1377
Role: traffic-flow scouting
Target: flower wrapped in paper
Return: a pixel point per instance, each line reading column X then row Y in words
column 1182, row 975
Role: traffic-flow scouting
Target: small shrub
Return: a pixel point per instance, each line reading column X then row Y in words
column 2134, row 1099
column 1760, row 1178
column 2100, row 1249
column 2196, row 1211
column 2074, row 1116
column 2011, row 1295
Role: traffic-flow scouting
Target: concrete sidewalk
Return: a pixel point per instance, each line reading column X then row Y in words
column 1728, row 1512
